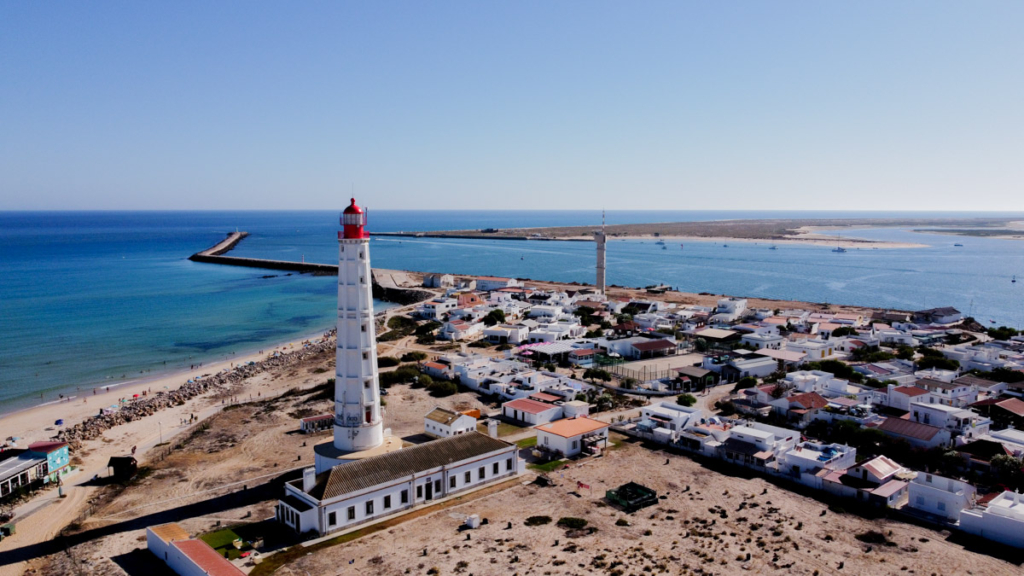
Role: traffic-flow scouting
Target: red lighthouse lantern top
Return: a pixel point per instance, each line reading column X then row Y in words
column 353, row 219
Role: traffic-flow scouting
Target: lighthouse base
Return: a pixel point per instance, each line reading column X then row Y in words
column 327, row 456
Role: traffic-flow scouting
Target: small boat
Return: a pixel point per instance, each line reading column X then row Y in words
column 681, row 246
column 839, row 249
column 958, row 245
column 660, row 242
column 773, row 247
column 666, row 248
column 725, row 245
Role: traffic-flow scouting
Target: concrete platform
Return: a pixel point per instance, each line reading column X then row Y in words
column 328, row 456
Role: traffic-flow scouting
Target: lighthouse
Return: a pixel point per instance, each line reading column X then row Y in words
column 358, row 420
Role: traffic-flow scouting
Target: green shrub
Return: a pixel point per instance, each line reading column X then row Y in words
column 537, row 520
column 387, row 362
column 414, row 356
column 572, row 523
column 686, row 400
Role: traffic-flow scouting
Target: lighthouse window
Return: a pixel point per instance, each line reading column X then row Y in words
column 362, row 255
column 362, row 279
column 366, row 384
column 366, row 355
column 363, row 327
column 368, row 416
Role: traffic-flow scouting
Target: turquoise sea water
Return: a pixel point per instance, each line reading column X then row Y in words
column 97, row 298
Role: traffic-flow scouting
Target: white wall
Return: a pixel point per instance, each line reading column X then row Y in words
column 533, row 419
column 417, row 491
column 940, row 496
column 567, row 446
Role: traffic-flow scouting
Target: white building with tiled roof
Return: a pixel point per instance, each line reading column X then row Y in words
column 441, row 423
column 380, row 486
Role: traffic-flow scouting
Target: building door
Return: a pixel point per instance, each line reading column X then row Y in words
column 430, row 490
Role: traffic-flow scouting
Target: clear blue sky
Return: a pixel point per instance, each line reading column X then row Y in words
column 681, row 105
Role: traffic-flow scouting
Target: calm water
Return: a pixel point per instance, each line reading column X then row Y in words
column 97, row 298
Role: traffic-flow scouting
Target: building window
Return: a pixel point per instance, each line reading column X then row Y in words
column 366, row 355
column 437, row 486
column 332, row 518
column 451, row 483
column 494, row 469
column 405, row 496
column 508, row 464
column 351, row 512
column 575, row 444
column 366, row 383
column 481, row 473
column 387, row 502
column 369, row 507
column 469, row 477
column 419, row 492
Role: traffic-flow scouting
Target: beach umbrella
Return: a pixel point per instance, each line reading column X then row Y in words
column 59, row 422
column 135, row 396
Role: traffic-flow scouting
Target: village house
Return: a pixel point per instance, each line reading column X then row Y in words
column 757, row 444
column 436, row 309
column 185, row 555
column 948, row 393
column 507, row 333
column 800, row 408
column 691, row 378
column 1004, row 412
column 364, row 490
column 438, row 281
column 729, row 310
column 555, row 331
column 442, row 423
column 314, row 424
column 1002, row 519
column 43, row 462
column 458, row 330
column 530, row 412
column 573, row 436
column 491, row 283
column 814, row 350
column 876, row 481
column 938, row 496
column 945, row 315
column 917, row 434
column 900, row 397
column 753, row 366
column 959, row 421
column 763, row 340
column 806, row 461
column 666, row 418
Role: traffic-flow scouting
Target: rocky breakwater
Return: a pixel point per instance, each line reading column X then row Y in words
column 139, row 408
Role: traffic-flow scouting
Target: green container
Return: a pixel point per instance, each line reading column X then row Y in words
column 8, row 529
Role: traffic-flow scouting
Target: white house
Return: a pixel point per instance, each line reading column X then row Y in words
column 555, row 331
column 187, row 556
column 547, row 313
column 490, row 283
column 507, row 334
column 436, row 309
column 948, row 392
column 807, row 459
column 729, row 310
column 530, row 411
column 457, row 330
column 758, row 444
column 762, row 341
column 364, row 490
column 441, row 423
column 939, row 496
column 1002, row 520
column 438, row 280
column 813, row 349
column 967, row 423
column 573, row 436
column 670, row 416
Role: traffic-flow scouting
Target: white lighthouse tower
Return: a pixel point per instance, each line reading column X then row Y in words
column 358, row 421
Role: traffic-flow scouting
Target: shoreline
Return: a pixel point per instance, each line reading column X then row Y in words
column 37, row 423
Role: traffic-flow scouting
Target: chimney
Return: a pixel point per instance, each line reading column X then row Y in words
column 492, row 428
column 308, row 479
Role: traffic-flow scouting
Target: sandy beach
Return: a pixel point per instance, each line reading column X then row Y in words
column 37, row 423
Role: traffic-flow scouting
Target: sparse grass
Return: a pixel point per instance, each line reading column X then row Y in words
column 527, row 442
column 220, row 540
column 504, row 428
column 547, row 467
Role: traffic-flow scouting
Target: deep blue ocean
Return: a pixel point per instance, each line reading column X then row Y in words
column 97, row 298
